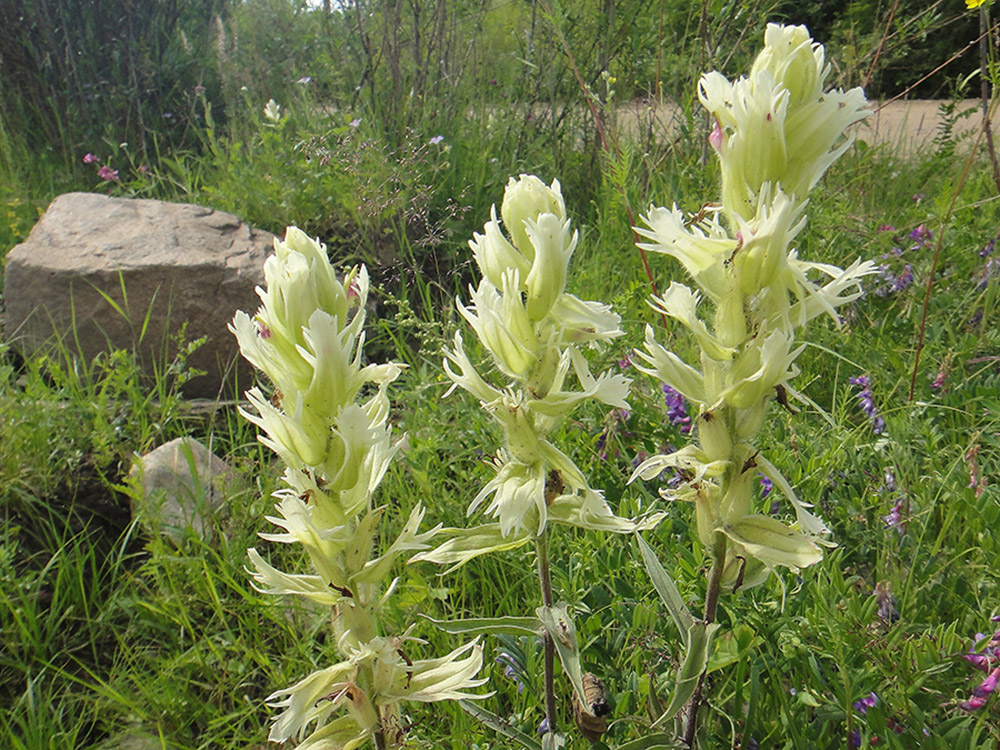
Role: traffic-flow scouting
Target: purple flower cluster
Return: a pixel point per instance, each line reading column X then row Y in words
column 891, row 280
column 512, row 670
column 867, row 401
column 896, row 518
column 676, row 409
column 991, row 268
column 862, row 706
column 987, row 660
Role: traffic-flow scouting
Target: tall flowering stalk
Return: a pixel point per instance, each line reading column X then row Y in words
column 776, row 133
column 533, row 330
column 307, row 337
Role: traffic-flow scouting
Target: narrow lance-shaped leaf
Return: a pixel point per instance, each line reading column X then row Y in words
column 499, row 725
column 699, row 639
column 654, row 742
column 557, row 623
column 516, row 626
column 666, row 588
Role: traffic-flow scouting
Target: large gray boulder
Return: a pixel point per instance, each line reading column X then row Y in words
column 97, row 271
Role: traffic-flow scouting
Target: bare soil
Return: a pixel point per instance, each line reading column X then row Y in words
column 911, row 125
column 907, row 126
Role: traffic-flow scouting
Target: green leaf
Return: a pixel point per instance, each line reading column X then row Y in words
column 699, row 639
column 499, row 725
column 557, row 623
column 658, row 741
column 731, row 647
column 666, row 588
column 489, row 625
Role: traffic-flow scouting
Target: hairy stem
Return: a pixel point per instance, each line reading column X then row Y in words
column 711, row 606
column 545, row 581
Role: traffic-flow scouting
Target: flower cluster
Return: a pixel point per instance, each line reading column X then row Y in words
column 533, row 330
column 897, row 516
column 867, row 401
column 861, row 706
column 105, row 172
column 991, row 268
column 307, row 337
column 891, row 278
column 984, row 655
column 776, row 133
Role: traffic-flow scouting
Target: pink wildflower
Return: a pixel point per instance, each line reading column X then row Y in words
column 107, row 173
column 89, row 158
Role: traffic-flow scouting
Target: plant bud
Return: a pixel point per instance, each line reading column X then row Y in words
column 549, row 236
column 525, row 199
column 713, row 434
column 793, row 60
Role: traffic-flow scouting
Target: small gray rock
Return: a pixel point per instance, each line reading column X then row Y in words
column 182, row 485
column 177, row 263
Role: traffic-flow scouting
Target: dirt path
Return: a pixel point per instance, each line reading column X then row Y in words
column 913, row 124
column 908, row 126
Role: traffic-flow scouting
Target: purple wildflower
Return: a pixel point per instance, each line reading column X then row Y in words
column 305, row 80
column 983, row 690
column 108, row 174
column 941, row 377
column 988, row 657
column 867, row 401
column 986, row 274
column 862, row 705
column 89, row 158
column 543, row 727
column 894, row 519
column 904, row 279
column 676, row 409
column 886, row 228
column 988, row 660
column 511, row 670
column 988, row 248
column 921, row 237
column 436, row 140
column 766, row 485
column 855, row 738
column 355, row 122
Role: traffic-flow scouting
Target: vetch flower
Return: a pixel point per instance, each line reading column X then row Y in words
column 867, row 401
column 108, row 174
column 89, row 158
column 676, row 409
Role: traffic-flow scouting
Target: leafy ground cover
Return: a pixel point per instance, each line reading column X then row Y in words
column 110, row 632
